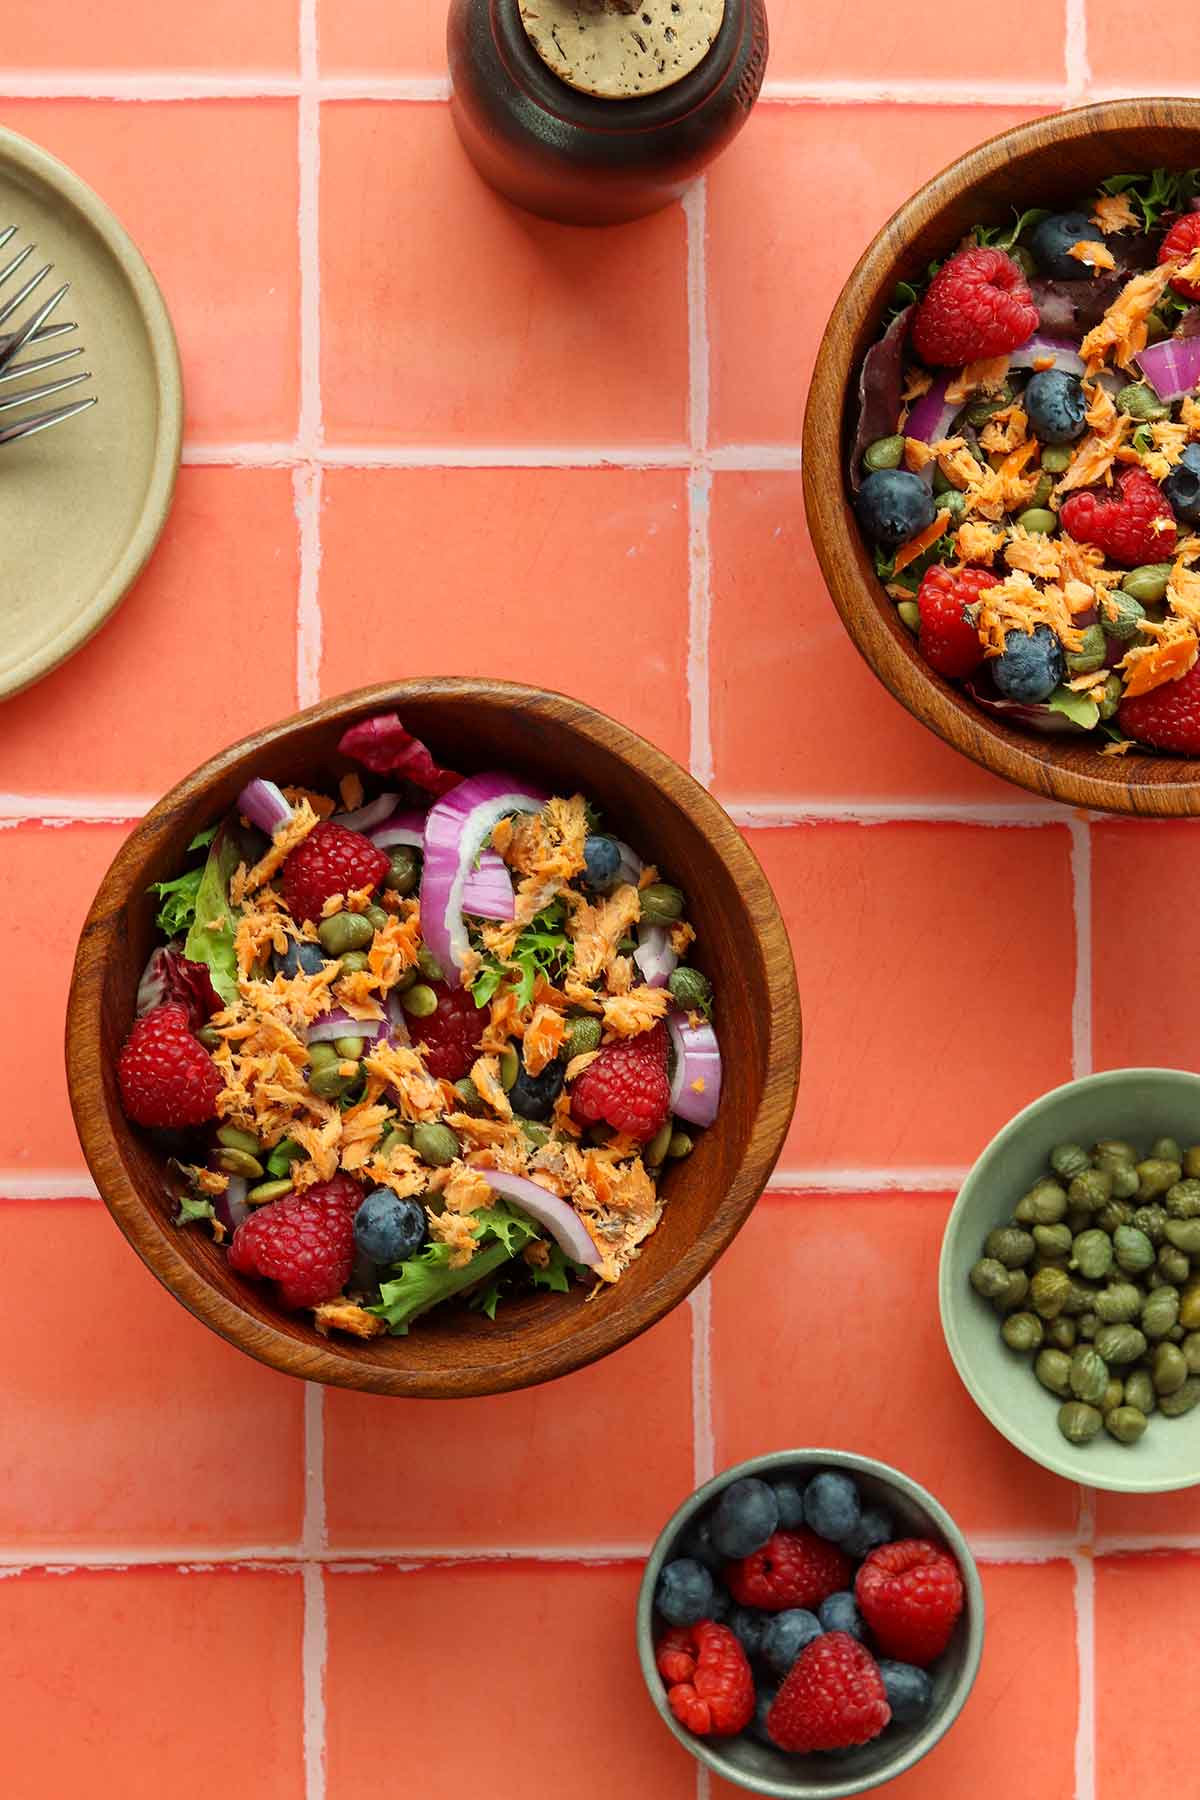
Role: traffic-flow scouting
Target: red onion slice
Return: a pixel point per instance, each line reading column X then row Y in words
column 455, row 829
column 1066, row 354
column 1173, row 367
column 488, row 893
column 374, row 813
column 654, row 956
column 631, row 864
column 397, row 1020
column 696, row 1084
column 232, row 1207
column 560, row 1220
column 399, row 828
column 262, row 803
column 338, row 1024
column 932, row 413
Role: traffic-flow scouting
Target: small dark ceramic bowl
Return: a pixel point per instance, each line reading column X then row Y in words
column 746, row 1762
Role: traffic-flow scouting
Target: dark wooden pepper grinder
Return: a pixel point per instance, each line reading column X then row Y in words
column 594, row 112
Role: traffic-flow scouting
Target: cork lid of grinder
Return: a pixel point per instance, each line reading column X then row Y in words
column 621, row 49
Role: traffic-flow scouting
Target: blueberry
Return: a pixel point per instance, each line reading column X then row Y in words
column 744, row 1518
column 909, row 1691
column 698, row 1544
column 721, row 1605
column 764, row 1701
column 602, row 863
column 684, row 1592
column 388, row 1229
column 1182, row 486
column 749, row 1627
column 893, row 506
column 831, row 1505
column 1051, row 240
column 875, row 1527
column 309, row 957
column 789, row 1497
column 1031, row 667
column 533, row 1096
column 1056, row 405
column 787, row 1634
column 840, row 1613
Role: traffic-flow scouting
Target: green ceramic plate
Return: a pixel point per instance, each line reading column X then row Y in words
column 1138, row 1104
column 81, row 506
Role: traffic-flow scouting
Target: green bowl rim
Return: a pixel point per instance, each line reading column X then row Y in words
column 974, row 1611
column 949, row 1300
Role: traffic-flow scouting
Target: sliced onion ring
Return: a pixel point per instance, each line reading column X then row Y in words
column 631, row 864
column 374, row 813
column 1066, row 354
column 338, row 1024
column 232, row 1207
column 488, row 893
column 654, row 955
column 398, row 828
column 262, row 803
column 560, row 1220
column 1173, row 367
column 455, row 828
column 696, row 1083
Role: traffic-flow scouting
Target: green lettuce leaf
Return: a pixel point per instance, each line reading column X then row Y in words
column 558, row 1271
column 286, row 1152
column 1005, row 237
column 1080, row 708
column 178, row 898
column 487, row 1298
column 1158, row 192
column 210, row 939
column 426, row 1280
column 202, row 839
column 543, row 948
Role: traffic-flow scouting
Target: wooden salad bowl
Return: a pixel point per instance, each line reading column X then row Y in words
column 1048, row 162
column 743, row 945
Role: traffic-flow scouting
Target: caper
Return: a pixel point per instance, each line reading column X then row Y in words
column 1048, row 1291
column 1056, row 458
column 238, row 1162
column 538, row 1135
column 404, row 869
column 1183, row 1200
column 1079, row 1422
column 510, row 1067
column 1125, row 1423
column 955, row 503
column 350, row 1049
column 345, row 931
column 1122, row 614
column 269, row 1190
column 1121, row 1173
column 354, row 962
column 910, row 615
column 429, row 965
column 1109, row 697
column 1053, row 1370
column 1140, row 401
column 327, row 1083
column 1061, row 1333
column 1119, row 1304
column 1116, row 1213
column 1069, row 1160
column 1113, row 1395
column 1181, row 1400
column 1079, row 1219
column 1139, row 1390
column 210, row 1037
column 1024, row 1331
column 583, row 1036
column 234, row 1138
column 884, row 453
column 1090, row 1190
column 435, row 1145
column 1014, row 1295
column 662, row 904
column 1053, row 1242
column 1092, row 1254
column 1191, row 1351
column 1167, row 1149
column 1010, row 1246
column 1155, row 1176
column 1160, row 1314
column 1191, row 1162
column 1133, row 1249
column 1169, row 1370
column 1189, row 1307
column 1120, row 1343
column 1040, row 498
column 1147, row 584
column 681, row 1145
column 1088, row 1375
column 1044, row 1204
column 1080, row 1299
column 322, row 1056
column 469, row 1095
column 375, row 916
column 1172, row 1265
column 981, row 409
column 419, row 1002
column 1184, row 1234
column 690, row 989
column 1118, row 1147
column 1151, row 1219
column 656, row 1150
column 1039, row 519
column 1089, row 1325
column 1091, row 653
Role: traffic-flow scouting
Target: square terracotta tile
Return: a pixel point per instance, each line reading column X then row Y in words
column 1145, row 1637
column 209, row 193
column 893, row 45
column 1024, row 1700
column 574, row 578
column 1163, row 1517
column 450, row 316
column 531, row 1642
column 1125, row 58
column 103, row 1678
column 792, row 206
column 572, row 1426
column 1135, row 1023
column 863, row 1273
column 928, row 1024
column 194, row 1444
column 225, row 572
column 796, row 711
column 360, row 37
column 35, row 973
column 221, row 35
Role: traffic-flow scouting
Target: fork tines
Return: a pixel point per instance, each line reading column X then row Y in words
column 33, row 330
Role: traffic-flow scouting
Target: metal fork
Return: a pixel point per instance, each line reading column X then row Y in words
column 34, row 331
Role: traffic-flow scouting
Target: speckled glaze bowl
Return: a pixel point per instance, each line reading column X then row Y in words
column 1138, row 1104
column 746, row 1762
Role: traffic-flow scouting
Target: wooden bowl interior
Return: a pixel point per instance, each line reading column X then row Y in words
column 650, row 802
column 1049, row 162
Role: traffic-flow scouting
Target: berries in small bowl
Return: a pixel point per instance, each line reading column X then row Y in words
column 810, row 1624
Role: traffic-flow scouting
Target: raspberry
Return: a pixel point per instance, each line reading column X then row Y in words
column 305, row 1242
column 715, row 1697
column 449, row 1038
column 977, row 305
column 340, row 1187
column 1168, row 716
column 911, row 1595
column 166, row 1076
column 1180, row 245
column 331, row 860
column 949, row 642
column 1132, row 526
column 626, row 1087
column 833, row 1697
column 793, row 1568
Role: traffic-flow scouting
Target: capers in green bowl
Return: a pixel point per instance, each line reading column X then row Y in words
column 1102, row 1331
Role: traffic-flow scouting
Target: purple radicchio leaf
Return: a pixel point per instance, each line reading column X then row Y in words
column 880, row 382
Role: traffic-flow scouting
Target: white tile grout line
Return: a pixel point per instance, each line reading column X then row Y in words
column 1085, row 1644
column 866, row 1181
column 1076, row 69
column 700, row 753
column 28, row 1184
column 1081, row 1003
column 761, row 459
column 703, row 1434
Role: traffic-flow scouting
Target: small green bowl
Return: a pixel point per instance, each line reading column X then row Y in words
column 746, row 1762
column 1138, row 1104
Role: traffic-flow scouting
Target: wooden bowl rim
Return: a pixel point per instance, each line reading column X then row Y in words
column 1146, row 786
column 329, row 1362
